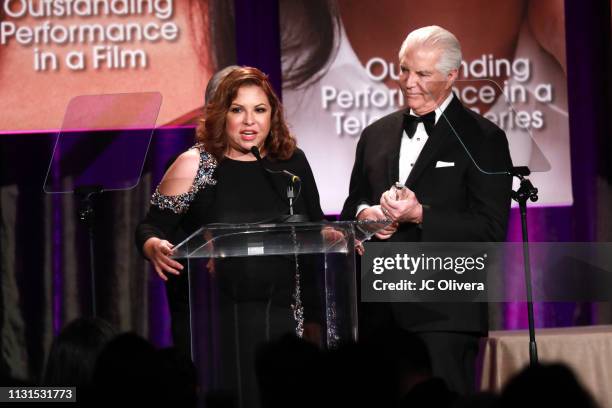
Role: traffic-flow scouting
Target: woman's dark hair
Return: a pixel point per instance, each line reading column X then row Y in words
column 309, row 39
column 278, row 145
column 218, row 38
column 74, row 351
column 309, row 36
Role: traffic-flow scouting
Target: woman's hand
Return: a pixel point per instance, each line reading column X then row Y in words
column 210, row 266
column 158, row 252
column 312, row 333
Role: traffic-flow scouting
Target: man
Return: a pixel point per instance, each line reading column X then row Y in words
column 450, row 194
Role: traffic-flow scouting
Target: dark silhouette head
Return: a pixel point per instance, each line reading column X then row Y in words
column 128, row 369
column 286, row 365
column 74, row 352
column 546, row 385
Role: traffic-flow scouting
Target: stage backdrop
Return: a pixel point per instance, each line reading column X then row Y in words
column 517, row 47
column 53, row 51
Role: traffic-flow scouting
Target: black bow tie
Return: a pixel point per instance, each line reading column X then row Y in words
column 411, row 122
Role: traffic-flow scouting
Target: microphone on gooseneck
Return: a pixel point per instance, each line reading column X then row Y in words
column 294, row 180
column 292, row 177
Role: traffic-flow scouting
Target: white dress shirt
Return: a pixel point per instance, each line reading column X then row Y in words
column 410, row 148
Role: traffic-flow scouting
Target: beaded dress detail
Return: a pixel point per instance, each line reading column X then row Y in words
column 179, row 204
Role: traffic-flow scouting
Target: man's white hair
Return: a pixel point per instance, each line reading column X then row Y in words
column 435, row 37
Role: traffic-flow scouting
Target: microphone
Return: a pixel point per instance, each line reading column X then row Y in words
column 291, row 194
column 292, row 177
column 255, row 152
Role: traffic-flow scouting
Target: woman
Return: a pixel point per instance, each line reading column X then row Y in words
column 220, row 181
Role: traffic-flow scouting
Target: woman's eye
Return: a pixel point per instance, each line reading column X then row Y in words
column 235, row 109
column 261, row 110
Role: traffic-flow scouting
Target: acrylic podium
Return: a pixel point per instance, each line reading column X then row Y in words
column 250, row 284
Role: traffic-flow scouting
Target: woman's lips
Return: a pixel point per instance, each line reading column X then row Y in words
column 248, row 135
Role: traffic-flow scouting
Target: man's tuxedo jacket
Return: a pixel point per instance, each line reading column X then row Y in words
column 461, row 202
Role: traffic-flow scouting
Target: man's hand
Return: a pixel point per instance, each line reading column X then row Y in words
column 401, row 205
column 375, row 213
column 359, row 248
column 332, row 236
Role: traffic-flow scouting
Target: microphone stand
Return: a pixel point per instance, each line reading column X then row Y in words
column 525, row 192
column 87, row 215
column 290, row 196
column 297, row 307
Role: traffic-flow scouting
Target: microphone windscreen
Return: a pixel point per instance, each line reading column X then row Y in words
column 255, row 152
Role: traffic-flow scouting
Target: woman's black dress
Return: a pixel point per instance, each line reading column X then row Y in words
column 254, row 294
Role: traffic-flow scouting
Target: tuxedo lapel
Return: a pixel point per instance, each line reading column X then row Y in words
column 442, row 133
column 396, row 131
column 393, row 167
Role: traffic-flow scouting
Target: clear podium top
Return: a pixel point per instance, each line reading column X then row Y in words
column 233, row 240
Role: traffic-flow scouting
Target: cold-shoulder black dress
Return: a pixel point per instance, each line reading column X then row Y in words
column 254, row 293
